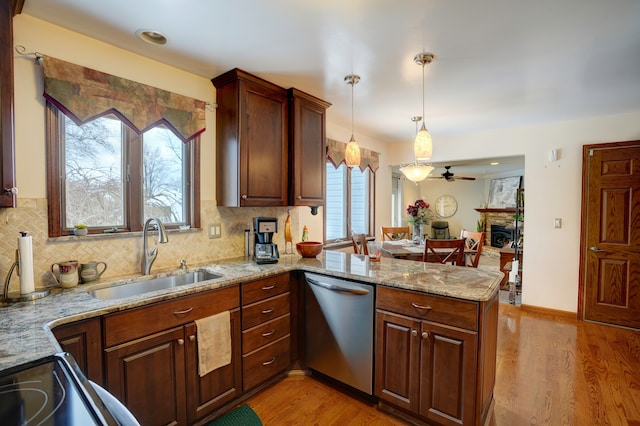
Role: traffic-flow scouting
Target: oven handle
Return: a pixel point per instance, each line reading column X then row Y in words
column 333, row 287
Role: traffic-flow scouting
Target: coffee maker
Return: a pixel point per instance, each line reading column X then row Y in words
column 264, row 250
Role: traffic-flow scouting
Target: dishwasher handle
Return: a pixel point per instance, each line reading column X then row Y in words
column 333, row 287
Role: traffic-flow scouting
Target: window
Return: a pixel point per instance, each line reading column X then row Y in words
column 349, row 202
column 110, row 177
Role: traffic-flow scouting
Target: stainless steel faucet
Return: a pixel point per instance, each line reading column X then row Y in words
column 148, row 256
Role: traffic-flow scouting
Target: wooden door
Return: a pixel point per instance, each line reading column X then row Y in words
column 397, row 376
column 610, row 272
column 448, row 371
column 82, row 339
column 208, row 393
column 7, row 161
column 263, row 146
column 307, row 144
column 148, row 376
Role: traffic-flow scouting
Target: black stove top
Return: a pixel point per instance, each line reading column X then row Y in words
column 50, row 391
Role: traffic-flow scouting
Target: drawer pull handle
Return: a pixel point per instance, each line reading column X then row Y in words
column 425, row 335
column 181, row 342
column 426, row 308
column 271, row 361
column 268, row 311
column 192, row 338
column 267, row 288
column 186, row 311
column 268, row 333
column 414, row 333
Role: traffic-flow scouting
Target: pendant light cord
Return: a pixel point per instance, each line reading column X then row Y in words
column 352, row 84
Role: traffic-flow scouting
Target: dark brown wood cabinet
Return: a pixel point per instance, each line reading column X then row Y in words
column 83, row 340
column 251, row 141
column 7, row 159
column 307, row 149
column 434, row 356
column 151, row 359
column 266, row 329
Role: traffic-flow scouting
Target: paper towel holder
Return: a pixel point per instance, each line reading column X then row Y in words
column 18, row 297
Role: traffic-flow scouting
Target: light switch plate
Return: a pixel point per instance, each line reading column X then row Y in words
column 557, row 223
column 215, row 230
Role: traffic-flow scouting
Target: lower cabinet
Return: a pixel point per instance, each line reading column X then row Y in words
column 151, row 359
column 428, row 358
column 83, row 340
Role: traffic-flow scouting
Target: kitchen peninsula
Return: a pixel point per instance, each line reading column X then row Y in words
column 427, row 316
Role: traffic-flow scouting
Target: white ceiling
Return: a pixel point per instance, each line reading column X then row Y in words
column 499, row 63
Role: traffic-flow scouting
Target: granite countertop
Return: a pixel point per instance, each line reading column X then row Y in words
column 26, row 327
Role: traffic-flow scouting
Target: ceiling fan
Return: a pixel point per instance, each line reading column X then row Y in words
column 450, row 177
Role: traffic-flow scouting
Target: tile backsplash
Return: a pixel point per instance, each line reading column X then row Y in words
column 122, row 252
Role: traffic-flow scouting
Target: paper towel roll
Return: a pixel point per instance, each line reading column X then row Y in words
column 25, row 264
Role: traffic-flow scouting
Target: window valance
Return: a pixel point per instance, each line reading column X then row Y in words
column 368, row 158
column 84, row 94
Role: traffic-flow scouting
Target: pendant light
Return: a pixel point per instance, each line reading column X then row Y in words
column 416, row 172
column 423, row 145
column 352, row 151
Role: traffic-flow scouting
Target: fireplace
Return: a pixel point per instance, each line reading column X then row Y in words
column 500, row 235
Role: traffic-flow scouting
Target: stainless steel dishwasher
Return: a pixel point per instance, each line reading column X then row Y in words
column 339, row 330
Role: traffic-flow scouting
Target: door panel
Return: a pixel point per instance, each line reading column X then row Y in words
column 611, row 247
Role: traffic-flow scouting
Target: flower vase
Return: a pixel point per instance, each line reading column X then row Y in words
column 417, row 233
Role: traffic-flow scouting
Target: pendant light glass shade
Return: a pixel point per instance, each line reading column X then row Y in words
column 423, row 145
column 352, row 154
column 352, row 151
column 416, row 172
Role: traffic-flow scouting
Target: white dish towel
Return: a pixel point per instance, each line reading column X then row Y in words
column 214, row 342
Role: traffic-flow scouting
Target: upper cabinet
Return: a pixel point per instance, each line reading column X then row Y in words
column 307, row 149
column 7, row 172
column 251, row 140
column 270, row 143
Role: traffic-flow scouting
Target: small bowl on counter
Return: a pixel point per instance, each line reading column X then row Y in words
column 309, row 248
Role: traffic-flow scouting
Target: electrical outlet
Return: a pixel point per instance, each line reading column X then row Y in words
column 557, row 223
column 215, row 230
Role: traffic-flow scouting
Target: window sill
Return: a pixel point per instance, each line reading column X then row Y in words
column 114, row 235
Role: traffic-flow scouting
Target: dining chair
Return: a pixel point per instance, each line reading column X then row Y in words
column 440, row 230
column 394, row 232
column 444, row 251
column 359, row 243
column 473, row 249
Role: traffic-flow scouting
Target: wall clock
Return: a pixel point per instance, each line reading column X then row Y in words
column 446, row 206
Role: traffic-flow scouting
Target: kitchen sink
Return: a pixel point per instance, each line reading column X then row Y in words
column 153, row 284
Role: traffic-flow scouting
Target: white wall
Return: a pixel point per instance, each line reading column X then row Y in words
column 551, row 256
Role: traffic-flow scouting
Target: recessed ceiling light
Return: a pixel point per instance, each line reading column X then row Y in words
column 152, row 36
column 495, row 163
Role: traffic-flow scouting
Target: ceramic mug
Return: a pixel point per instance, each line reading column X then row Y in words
column 67, row 275
column 89, row 271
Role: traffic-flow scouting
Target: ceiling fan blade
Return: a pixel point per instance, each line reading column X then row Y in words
column 465, row 178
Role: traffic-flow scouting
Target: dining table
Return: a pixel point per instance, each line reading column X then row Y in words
column 407, row 249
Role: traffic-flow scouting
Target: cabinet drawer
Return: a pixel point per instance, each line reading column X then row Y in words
column 138, row 322
column 265, row 333
column 455, row 312
column 266, row 310
column 264, row 363
column 261, row 289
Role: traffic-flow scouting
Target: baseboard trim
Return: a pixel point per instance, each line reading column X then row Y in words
column 548, row 311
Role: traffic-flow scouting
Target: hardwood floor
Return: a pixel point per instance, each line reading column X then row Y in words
column 551, row 370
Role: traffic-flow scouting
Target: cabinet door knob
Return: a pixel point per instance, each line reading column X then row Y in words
column 414, row 333
column 271, row 361
column 192, row 338
column 244, row 196
column 12, row 191
column 425, row 308
column 425, row 335
column 181, row 342
column 269, row 333
column 186, row 311
column 299, row 197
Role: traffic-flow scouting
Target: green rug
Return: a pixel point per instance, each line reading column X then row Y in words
column 242, row 415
